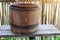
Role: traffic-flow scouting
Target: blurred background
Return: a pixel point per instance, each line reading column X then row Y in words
column 49, row 14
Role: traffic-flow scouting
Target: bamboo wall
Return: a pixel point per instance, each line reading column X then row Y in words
column 49, row 12
column 4, row 12
column 46, row 12
column 57, row 16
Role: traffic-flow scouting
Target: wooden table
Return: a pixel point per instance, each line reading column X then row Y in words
column 43, row 30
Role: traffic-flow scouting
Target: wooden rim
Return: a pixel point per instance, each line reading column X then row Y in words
column 24, row 7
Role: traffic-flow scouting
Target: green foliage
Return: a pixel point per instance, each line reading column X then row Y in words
column 57, row 37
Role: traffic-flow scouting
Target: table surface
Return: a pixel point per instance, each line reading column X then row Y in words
column 43, row 30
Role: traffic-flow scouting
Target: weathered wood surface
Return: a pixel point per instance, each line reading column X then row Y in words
column 43, row 30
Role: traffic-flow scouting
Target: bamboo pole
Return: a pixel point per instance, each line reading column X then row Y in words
column 49, row 12
column 27, row 1
column 54, row 18
column 2, row 19
column 0, row 14
column 58, row 19
column 53, row 11
column 46, row 15
column 43, row 16
column 40, row 5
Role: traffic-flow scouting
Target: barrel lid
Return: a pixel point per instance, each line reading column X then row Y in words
column 24, row 6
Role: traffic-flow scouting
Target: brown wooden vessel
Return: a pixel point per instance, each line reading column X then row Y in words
column 24, row 18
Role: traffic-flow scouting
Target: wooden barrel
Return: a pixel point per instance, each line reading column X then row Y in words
column 24, row 18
